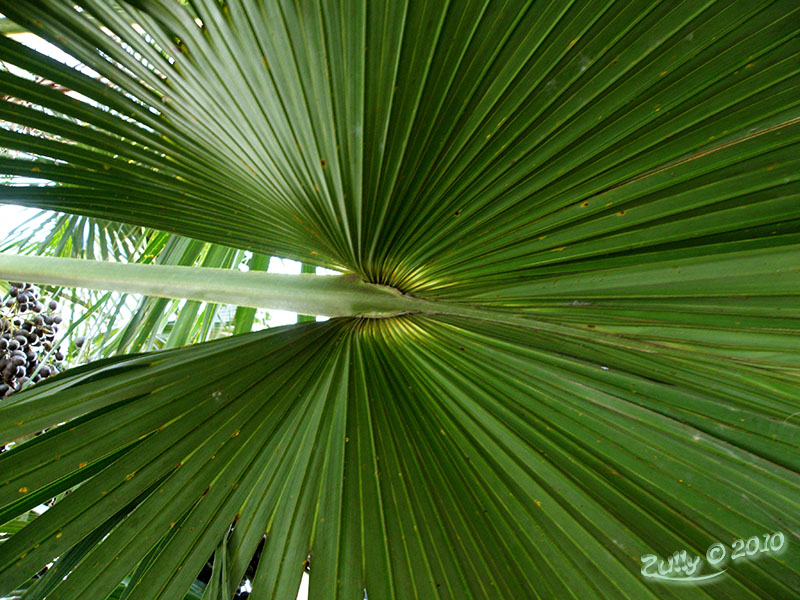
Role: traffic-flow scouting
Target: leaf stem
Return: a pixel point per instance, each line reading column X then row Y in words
column 306, row 294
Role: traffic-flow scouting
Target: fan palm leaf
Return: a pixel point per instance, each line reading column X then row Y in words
column 591, row 212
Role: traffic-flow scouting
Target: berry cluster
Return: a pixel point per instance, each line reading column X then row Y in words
column 27, row 330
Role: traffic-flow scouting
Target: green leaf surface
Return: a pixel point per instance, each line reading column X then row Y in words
column 470, row 462
column 592, row 210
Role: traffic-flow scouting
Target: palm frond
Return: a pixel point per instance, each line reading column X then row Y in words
column 594, row 203
column 119, row 322
column 473, row 462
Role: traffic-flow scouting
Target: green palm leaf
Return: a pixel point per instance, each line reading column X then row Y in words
column 154, row 322
column 595, row 208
